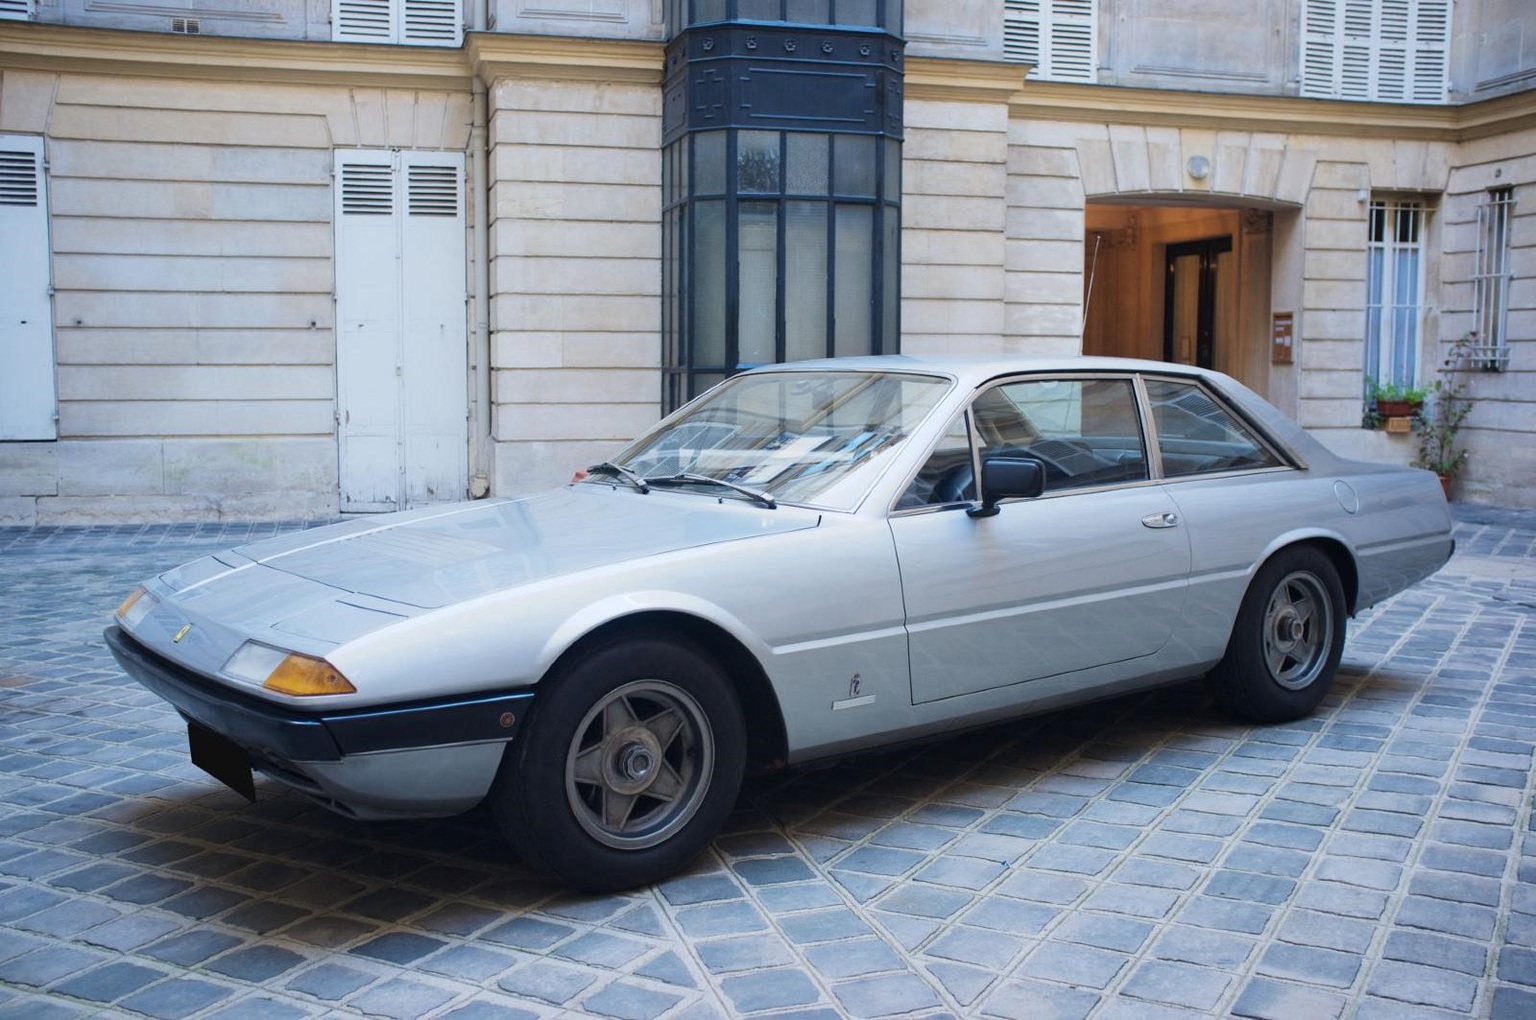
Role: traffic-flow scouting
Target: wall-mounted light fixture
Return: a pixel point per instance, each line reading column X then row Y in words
column 1198, row 167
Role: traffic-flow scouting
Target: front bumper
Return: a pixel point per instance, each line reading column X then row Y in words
column 417, row 759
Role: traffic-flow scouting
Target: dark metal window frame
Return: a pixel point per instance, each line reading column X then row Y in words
column 683, row 14
column 679, row 219
column 731, row 81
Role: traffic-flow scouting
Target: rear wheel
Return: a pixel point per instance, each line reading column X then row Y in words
column 630, row 763
column 1287, row 640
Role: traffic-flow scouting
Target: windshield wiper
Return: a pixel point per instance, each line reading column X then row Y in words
column 608, row 467
column 685, row 477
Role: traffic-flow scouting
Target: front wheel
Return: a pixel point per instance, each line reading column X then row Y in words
column 1287, row 640
column 629, row 765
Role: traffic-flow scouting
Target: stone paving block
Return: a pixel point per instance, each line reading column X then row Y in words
column 1030, row 1000
column 1276, row 1000
column 553, row 983
column 48, row 964
column 630, row 1002
column 330, row 981
column 1418, row 984
column 885, row 996
column 402, row 998
column 769, row 990
column 1198, row 988
column 1083, row 966
column 177, row 998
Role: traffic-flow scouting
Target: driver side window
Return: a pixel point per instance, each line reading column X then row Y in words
column 1085, row 432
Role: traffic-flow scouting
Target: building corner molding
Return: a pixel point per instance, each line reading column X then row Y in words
column 966, row 81
column 493, row 55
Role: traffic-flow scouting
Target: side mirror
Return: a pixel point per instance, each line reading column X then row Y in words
column 1008, row 478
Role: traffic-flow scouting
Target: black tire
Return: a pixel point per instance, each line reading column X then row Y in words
column 627, row 767
column 1287, row 640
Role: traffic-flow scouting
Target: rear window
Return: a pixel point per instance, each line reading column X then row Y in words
column 1197, row 436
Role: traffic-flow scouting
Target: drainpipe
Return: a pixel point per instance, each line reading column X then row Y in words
column 481, row 447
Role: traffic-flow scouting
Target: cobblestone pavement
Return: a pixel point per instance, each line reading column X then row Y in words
column 1143, row 857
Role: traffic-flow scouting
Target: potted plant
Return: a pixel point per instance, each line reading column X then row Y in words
column 1394, row 401
column 1439, row 426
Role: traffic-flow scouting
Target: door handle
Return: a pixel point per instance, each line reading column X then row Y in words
column 1162, row 520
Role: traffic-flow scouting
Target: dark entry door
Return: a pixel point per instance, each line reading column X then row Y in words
column 1189, row 301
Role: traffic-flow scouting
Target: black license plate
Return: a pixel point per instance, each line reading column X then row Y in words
column 222, row 759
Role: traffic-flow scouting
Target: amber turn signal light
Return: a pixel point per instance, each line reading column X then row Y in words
column 302, row 676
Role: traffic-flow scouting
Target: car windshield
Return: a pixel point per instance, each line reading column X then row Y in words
column 813, row 438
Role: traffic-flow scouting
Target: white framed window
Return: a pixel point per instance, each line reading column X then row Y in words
column 1394, row 291
column 1393, row 51
column 1059, row 37
column 27, row 388
column 18, row 10
column 406, row 22
column 1491, row 277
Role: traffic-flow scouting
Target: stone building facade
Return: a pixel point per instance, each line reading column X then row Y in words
column 277, row 260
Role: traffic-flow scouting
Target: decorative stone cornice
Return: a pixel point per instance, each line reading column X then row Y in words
column 973, row 81
column 64, row 49
column 494, row 55
column 67, row 49
column 1118, row 104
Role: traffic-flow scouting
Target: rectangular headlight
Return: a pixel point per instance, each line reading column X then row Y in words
column 135, row 607
column 253, row 662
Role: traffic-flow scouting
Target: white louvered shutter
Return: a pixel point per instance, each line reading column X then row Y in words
column 411, row 22
column 368, row 365
column 27, row 388
column 402, row 335
column 431, row 22
column 1060, row 37
column 1383, row 50
column 17, row 10
column 436, row 337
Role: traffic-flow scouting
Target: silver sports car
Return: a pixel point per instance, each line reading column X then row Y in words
column 809, row 560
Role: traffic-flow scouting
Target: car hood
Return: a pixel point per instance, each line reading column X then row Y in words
column 434, row 557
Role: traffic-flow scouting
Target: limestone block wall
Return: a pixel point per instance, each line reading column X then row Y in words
column 192, row 261
column 1499, row 434
column 954, row 215
column 576, row 273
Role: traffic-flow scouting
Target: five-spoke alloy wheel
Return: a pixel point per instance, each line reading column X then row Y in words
column 1286, row 641
column 627, row 767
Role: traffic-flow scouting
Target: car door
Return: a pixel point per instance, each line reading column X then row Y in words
column 1092, row 572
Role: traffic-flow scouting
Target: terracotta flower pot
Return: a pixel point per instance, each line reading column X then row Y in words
column 1395, row 408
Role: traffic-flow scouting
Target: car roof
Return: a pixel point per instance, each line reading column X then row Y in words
column 976, row 369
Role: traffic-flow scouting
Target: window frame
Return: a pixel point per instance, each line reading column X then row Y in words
column 1284, row 459
column 1151, row 450
column 1379, row 348
column 1492, row 276
column 684, row 376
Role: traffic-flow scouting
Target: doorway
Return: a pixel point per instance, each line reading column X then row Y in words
column 1192, row 298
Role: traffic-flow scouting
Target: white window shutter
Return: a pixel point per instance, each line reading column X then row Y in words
column 1392, row 51
column 436, row 333
column 362, row 21
column 367, row 330
column 1430, row 78
column 1059, row 37
column 432, row 22
column 402, row 355
column 17, row 10
column 27, row 388
column 1023, row 31
column 412, row 22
